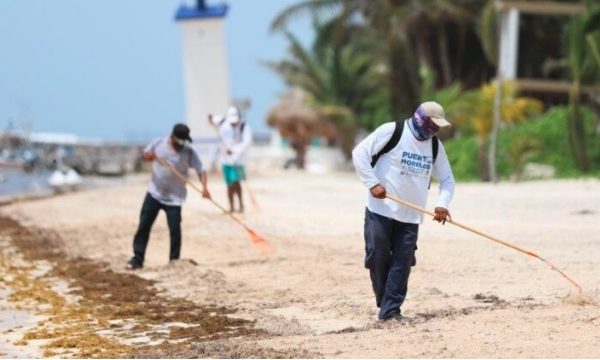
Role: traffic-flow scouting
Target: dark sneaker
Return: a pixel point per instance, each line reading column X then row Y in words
column 400, row 318
column 394, row 317
column 133, row 265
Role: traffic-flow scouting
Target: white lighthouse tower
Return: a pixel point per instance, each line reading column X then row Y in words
column 205, row 69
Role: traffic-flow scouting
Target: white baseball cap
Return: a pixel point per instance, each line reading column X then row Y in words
column 434, row 111
column 233, row 115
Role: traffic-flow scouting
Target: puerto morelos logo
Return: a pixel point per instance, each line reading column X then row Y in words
column 416, row 164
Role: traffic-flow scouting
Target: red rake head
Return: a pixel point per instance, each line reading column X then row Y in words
column 261, row 243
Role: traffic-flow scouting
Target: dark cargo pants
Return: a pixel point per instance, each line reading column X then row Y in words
column 390, row 252
column 148, row 215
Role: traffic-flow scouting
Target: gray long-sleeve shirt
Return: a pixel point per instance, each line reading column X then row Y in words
column 164, row 186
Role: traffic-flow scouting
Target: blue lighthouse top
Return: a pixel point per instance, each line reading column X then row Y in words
column 200, row 11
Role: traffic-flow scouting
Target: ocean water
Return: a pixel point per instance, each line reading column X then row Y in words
column 19, row 183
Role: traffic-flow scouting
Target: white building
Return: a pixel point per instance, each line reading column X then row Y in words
column 205, row 71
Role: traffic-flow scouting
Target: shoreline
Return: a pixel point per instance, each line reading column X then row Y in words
column 14, row 324
column 34, row 186
column 59, row 306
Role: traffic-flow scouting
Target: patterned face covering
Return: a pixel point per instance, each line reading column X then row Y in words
column 422, row 126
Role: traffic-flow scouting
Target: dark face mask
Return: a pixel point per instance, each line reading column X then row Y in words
column 423, row 128
column 178, row 144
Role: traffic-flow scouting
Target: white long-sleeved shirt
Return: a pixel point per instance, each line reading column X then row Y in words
column 233, row 139
column 405, row 172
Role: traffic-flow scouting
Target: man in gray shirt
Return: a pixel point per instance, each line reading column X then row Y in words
column 166, row 191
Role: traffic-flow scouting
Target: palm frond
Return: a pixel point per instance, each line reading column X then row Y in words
column 301, row 55
column 303, row 8
column 592, row 23
column 488, row 33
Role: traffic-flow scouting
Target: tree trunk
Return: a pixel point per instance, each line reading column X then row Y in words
column 482, row 161
column 301, row 156
column 300, row 147
column 404, row 93
column 493, row 176
column 347, row 138
column 576, row 129
column 444, row 55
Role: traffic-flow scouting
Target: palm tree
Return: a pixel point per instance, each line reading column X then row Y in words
column 434, row 26
column 406, row 34
column 583, row 37
column 341, row 81
column 389, row 41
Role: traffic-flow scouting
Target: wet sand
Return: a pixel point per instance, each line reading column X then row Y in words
column 311, row 297
column 13, row 325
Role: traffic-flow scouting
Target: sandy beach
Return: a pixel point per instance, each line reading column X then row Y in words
column 310, row 297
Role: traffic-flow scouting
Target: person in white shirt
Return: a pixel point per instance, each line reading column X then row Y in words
column 165, row 191
column 235, row 138
column 399, row 158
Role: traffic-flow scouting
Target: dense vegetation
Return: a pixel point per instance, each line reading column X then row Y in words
column 373, row 61
column 541, row 140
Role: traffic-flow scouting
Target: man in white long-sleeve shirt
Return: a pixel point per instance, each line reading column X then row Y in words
column 399, row 158
column 235, row 137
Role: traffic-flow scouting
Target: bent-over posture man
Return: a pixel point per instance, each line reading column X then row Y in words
column 166, row 191
column 399, row 158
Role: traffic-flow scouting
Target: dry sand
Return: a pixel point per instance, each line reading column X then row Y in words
column 468, row 297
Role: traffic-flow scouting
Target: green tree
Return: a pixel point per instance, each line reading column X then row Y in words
column 341, row 81
column 388, row 41
column 476, row 112
column 583, row 37
column 408, row 34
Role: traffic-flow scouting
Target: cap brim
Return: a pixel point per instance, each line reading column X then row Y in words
column 189, row 139
column 441, row 122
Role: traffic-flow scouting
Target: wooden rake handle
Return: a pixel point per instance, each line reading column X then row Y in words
column 257, row 239
column 488, row 236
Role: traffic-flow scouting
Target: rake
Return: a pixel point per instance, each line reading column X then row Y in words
column 490, row 237
column 257, row 240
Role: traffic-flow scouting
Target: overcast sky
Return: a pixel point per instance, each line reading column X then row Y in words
column 112, row 69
